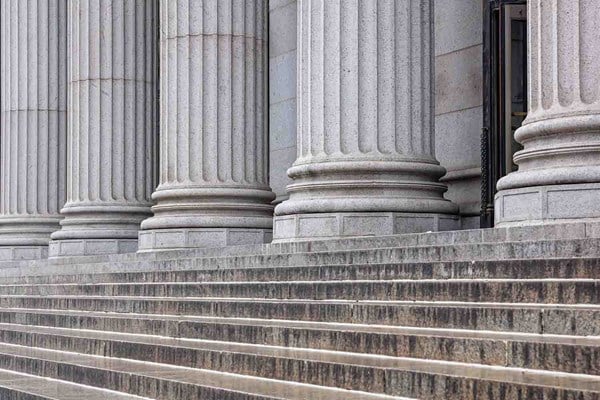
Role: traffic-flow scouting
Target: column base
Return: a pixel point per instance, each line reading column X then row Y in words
column 547, row 204
column 22, row 253
column 197, row 238
column 90, row 247
column 287, row 228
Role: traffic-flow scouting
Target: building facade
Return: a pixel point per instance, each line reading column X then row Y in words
column 139, row 126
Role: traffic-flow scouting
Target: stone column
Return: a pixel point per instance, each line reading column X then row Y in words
column 366, row 163
column 213, row 187
column 33, row 129
column 113, row 125
column 559, row 167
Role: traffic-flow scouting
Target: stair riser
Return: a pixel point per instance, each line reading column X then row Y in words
column 558, row 321
column 507, row 269
column 502, row 292
column 564, row 358
column 398, row 383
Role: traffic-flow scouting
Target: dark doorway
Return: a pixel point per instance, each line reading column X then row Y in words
column 505, row 94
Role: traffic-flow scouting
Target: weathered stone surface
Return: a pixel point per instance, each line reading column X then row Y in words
column 458, row 315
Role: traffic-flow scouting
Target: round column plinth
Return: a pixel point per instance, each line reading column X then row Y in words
column 195, row 238
column 547, row 204
column 22, row 253
column 89, row 247
column 25, row 237
column 98, row 229
column 296, row 227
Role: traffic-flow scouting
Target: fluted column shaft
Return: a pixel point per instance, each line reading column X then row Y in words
column 559, row 166
column 113, row 125
column 33, row 97
column 365, row 121
column 213, row 187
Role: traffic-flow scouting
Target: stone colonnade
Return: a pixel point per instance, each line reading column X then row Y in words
column 366, row 162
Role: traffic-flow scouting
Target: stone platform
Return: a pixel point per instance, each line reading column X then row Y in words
column 508, row 313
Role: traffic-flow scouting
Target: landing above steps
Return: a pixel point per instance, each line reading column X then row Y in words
column 542, row 241
column 486, row 314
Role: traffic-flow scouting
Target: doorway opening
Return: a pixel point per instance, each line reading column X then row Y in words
column 504, row 94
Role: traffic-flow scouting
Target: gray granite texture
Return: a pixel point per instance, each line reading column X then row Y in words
column 446, row 315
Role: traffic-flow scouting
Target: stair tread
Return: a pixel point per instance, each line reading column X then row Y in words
column 55, row 389
column 268, row 388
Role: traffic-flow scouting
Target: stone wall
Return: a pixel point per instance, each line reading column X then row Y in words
column 458, row 101
column 282, row 95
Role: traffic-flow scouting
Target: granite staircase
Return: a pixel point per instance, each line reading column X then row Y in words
column 486, row 314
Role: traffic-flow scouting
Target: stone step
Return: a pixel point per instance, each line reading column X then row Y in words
column 551, row 352
column 565, row 354
column 448, row 253
column 548, row 291
column 162, row 381
column 421, row 379
column 19, row 386
column 530, row 234
column 579, row 320
column 564, row 268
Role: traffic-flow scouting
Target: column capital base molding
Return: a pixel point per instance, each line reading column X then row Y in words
column 195, row 238
column 548, row 204
column 90, row 247
column 289, row 228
